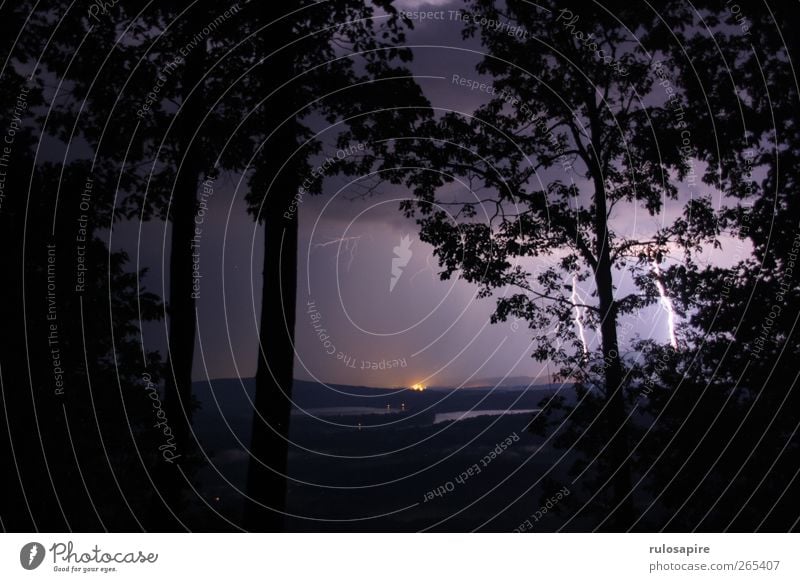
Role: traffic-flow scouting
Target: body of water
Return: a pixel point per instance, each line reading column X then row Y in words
column 464, row 414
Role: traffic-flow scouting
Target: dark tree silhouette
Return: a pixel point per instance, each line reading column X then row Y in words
column 727, row 407
column 332, row 62
column 76, row 450
column 155, row 92
column 577, row 137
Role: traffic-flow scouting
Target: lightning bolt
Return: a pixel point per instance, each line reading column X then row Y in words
column 428, row 267
column 350, row 245
column 32, row 555
column 578, row 316
column 666, row 305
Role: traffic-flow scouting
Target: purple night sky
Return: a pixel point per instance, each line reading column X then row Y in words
column 423, row 330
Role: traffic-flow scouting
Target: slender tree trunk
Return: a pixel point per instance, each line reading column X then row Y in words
column 266, row 480
column 615, row 410
column 615, row 414
column 182, row 324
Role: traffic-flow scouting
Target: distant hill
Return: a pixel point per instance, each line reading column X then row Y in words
column 233, row 396
column 225, row 413
column 509, row 382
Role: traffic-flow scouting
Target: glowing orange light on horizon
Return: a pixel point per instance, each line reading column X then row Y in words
column 418, row 387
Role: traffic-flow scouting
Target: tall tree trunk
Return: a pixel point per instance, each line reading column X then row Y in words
column 266, row 477
column 182, row 329
column 615, row 414
column 266, row 480
column 615, row 411
column 182, row 324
